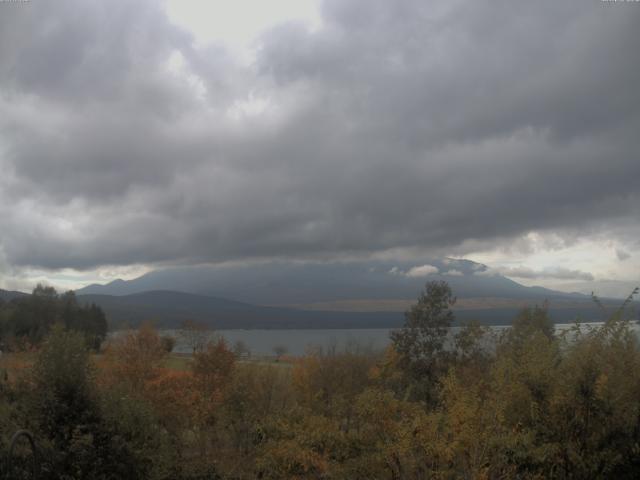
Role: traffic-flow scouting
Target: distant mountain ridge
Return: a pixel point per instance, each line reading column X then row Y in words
column 287, row 283
column 298, row 296
column 329, row 295
column 8, row 295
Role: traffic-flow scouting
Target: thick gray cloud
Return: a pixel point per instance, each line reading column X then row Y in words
column 622, row 254
column 396, row 125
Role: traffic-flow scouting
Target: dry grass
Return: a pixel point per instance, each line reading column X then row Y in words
column 13, row 364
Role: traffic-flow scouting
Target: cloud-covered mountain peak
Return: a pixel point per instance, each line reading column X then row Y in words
column 298, row 283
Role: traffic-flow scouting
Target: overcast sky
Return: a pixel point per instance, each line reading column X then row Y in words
column 148, row 133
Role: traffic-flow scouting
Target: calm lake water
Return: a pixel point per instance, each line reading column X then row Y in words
column 297, row 342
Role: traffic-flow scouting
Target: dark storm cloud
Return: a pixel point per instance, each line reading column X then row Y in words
column 396, row 125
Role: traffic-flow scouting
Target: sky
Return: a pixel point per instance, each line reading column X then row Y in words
column 136, row 135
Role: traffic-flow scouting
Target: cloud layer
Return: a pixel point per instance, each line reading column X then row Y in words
column 558, row 273
column 422, row 271
column 396, row 125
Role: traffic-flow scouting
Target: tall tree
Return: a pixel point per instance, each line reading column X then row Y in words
column 421, row 342
column 195, row 335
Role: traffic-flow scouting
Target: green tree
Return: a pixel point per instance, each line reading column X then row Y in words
column 280, row 351
column 421, row 342
column 27, row 321
column 168, row 343
column 64, row 407
column 241, row 349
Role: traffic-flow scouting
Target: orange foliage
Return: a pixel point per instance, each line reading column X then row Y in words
column 212, row 367
column 179, row 398
column 174, row 396
column 134, row 357
column 12, row 366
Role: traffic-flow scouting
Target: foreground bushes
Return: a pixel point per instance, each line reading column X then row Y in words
column 529, row 403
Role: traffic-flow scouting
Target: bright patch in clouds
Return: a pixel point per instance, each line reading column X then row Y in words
column 66, row 279
column 598, row 263
column 415, row 272
column 237, row 23
column 454, row 273
column 252, row 106
column 422, row 271
column 178, row 66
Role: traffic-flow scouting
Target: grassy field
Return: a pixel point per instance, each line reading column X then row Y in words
column 181, row 361
column 176, row 361
column 13, row 363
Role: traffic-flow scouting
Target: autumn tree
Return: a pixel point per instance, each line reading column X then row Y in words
column 212, row 368
column 256, row 395
column 135, row 356
column 329, row 381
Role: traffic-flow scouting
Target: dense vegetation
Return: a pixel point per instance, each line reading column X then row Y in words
column 527, row 403
column 25, row 321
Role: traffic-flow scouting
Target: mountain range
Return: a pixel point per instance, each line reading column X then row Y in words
column 321, row 295
column 8, row 295
column 308, row 283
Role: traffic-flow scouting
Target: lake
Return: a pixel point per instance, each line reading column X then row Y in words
column 297, row 342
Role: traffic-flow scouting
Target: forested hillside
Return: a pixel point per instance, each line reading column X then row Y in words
column 25, row 320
